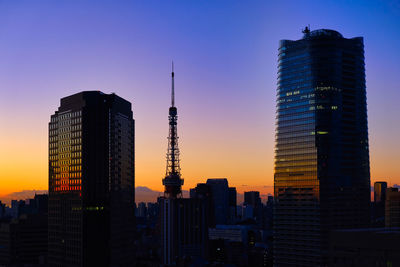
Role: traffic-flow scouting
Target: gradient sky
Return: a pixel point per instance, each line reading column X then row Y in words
column 225, row 55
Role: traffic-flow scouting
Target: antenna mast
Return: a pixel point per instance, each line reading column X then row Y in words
column 173, row 87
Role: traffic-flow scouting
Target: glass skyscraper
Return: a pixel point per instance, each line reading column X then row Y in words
column 321, row 179
column 91, row 181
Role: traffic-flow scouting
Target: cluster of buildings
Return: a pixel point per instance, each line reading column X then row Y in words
column 23, row 232
column 320, row 214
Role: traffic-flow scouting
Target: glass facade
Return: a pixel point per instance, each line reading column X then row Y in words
column 91, row 181
column 321, row 179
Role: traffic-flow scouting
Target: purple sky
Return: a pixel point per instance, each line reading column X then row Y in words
column 225, row 55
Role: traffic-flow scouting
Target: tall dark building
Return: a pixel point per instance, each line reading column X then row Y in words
column 380, row 192
column 232, row 205
column 91, row 181
column 379, row 204
column 392, row 208
column 220, row 197
column 252, row 198
column 322, row 178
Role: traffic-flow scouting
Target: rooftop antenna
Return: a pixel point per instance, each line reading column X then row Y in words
column 173, row 87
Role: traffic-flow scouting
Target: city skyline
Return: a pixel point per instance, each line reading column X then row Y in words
column 226, row 82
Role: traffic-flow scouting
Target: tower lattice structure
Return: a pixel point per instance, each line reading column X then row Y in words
column 173, row 181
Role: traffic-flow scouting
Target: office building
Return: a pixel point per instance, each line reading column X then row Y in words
column 322, row 178
column 392, row 208
column 204, row 192
column 380, row 192
column 232, row 205
column 378, row 218
column 91, row 181
column 252, row 198
column 220, row 195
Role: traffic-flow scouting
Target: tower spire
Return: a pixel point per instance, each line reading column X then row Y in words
column 173, row 181
column 172, row 87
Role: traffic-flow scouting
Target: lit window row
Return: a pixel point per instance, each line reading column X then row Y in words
column 76, row 154
column 66, row 182
column 67, row 188
column 76, row 134
column 75, row 121
column 64, row 130
column 76, row 127
column 75, row 168
column 67, row 175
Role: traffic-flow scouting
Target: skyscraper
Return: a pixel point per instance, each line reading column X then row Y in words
column 91, row 181
column 220, row 197
column 322, row 179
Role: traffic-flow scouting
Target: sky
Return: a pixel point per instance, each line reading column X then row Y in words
column 225, row 56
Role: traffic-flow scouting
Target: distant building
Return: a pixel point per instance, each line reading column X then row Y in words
column 2, row 210
column 17, row 208
column 204, row 191
column 152, row 210
column 232, row 204
column 367, row 247
column 379, row 204
column 220, row 195
column 91, row 181
column 248, row 212
column 252, row 198
column 142, row 210
column 253, row 207
column 236, row 244
column 392, row 208
column 380, row 192
column 23, row 240
column 185, row 229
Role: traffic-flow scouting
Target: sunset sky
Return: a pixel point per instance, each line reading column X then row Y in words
column 225, row 55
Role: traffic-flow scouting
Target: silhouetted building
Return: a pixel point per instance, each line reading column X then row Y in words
column 253, row 207
column 380, row 192
column 322, row 178
column 17, row 208
column 252, row 198
column 378, row 207
column 2, row 210
column 142, row 210
column 220, row 195
column 232, row 204
column 236, row 244
column 392, row 208
column 23, row 240
column 91, row 181
column 204, row 191
column 186, row 229
column 367, row 247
